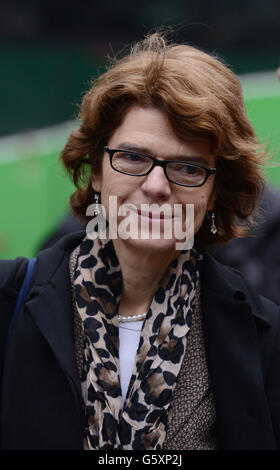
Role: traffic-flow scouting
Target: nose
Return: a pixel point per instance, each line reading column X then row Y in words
column 156, row 185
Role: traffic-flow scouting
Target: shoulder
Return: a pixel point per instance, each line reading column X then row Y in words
column 220, row 278
column 229, row 298
column 229, row 283
column 242, row 337
column 12, row 272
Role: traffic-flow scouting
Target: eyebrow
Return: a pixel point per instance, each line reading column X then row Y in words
column 183, row 158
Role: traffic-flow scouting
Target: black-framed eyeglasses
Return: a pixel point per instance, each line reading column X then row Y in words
column 129, row 162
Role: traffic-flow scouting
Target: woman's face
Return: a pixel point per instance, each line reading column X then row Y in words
column 148, row 131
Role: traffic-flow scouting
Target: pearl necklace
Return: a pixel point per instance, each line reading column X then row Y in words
column 140, row 316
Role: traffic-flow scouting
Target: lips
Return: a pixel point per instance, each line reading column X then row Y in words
column 150, row 214
column 154, row 215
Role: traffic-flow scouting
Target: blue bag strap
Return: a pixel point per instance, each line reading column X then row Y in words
column 21, row 297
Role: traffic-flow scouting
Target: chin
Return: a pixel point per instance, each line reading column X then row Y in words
column 152, row 246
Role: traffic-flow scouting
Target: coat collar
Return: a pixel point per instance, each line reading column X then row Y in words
column 230, row 340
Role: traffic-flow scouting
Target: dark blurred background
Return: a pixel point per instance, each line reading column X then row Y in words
column 50, row 49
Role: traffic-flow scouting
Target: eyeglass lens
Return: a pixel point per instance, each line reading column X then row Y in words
column 138, row 165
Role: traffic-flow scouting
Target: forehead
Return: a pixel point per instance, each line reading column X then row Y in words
column 149, row 129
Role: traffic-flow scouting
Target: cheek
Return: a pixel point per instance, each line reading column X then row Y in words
column 200, row 200
column 115, row 184
column 199, row 214
column 109, row 181
column 200, row 205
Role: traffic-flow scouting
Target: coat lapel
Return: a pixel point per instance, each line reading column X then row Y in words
column 232, row 352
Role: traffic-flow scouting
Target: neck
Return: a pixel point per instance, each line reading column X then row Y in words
column 141, row 273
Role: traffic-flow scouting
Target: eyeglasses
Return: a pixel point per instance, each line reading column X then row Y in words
column 137, row 164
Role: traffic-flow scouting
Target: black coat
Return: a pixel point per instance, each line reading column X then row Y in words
column 41, row 405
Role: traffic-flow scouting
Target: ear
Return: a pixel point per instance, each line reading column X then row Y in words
column 212, row 200
column 96, row 181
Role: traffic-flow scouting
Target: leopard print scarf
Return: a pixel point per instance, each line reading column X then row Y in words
column 142, row 421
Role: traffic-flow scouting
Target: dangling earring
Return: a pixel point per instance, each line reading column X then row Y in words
column 96, row 208
column 213, row 228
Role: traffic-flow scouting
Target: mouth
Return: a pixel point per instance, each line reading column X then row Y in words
column 154, row 215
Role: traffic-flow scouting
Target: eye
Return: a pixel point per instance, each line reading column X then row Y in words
column 186, row 169
column 131, row 163
column 130, row 157
column 186, row 174
column 191, row 170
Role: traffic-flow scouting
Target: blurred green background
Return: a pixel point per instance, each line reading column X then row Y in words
column 49, row 52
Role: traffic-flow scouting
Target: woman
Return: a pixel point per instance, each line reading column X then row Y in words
column 127, row 342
